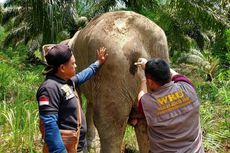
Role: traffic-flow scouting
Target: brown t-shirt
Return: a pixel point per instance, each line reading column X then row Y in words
column 172, row 115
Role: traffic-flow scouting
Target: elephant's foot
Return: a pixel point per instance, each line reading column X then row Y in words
column 112, row 144
column 94, row 143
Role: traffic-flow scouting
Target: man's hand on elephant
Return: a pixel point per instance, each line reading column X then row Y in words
column 141, row 72
column 141, row 62
column 102, row 55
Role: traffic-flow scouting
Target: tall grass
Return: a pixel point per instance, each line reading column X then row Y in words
column 215, row 111
column 18, row 107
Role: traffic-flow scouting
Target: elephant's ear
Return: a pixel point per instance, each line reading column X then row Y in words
column 46, row 48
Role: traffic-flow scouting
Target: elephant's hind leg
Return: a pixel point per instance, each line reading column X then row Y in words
column 111, row 128
column 142, row 137
column 111, row 138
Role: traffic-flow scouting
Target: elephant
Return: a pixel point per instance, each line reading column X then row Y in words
column 112, row 93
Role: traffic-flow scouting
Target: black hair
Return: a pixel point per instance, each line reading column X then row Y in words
column 158, row 70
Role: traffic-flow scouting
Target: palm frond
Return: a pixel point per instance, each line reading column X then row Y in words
column 15, row 35
column 188, row 18
column 9, row 13
column 100, row 7
column 20, row 18
column 195, row 57
column 202, row 14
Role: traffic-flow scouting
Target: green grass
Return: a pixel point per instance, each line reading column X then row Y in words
column 130, row 139
column 18, row 106
column 215, row 109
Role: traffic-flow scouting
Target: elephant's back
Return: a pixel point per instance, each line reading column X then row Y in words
column 125, row 34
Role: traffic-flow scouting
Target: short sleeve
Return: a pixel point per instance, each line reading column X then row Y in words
column 140, row 108
column 48, row 100
column 181, row 78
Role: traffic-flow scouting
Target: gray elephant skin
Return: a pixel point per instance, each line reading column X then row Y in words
column 112, row 92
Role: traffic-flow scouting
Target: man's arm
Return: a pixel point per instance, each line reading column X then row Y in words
column 52, row 135
column 48, row 102
column 87, row 73
column 143, row 89
column 141, row 74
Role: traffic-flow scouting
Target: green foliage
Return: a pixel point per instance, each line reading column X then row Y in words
column 215, row 111
column 130, row 140
column 2, row 33
column 228, row 39
column 190, row 23
column 215, row 126
column 223, row 82
column 28, row 20
column 214, row 95
column 92, row 8
column 18, row 108
column 19, row 126
column 221, row 49
column 218, row 90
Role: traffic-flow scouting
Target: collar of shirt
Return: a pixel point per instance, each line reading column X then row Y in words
column 164, row 87
column 59, row 80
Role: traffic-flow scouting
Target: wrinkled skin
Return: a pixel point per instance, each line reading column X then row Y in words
column 112, row 93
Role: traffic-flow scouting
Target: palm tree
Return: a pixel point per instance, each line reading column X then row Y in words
column 34, row 18
column 39, row 21
column 92, row 8
column 187, row 23
column 187, row 20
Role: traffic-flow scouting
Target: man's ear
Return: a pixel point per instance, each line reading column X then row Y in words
column 151, row 82
column 62, row 68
